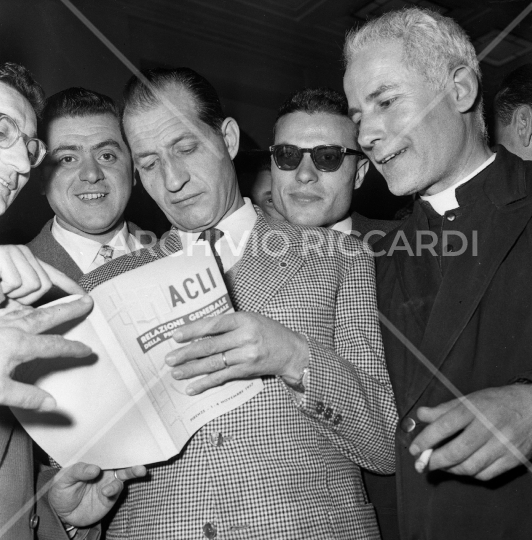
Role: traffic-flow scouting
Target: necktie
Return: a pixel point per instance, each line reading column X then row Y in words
column 212, row 236
column 106, row 252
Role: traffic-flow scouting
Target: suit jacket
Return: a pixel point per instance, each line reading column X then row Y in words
column 21, row 517
column 363, row 226
column 473, row 325
column 277, row 467
column 48, row 249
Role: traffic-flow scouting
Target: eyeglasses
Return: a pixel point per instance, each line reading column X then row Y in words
column 326, row 158
column 9, row 135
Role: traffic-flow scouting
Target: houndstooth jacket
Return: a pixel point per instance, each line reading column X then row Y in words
column 278, row 467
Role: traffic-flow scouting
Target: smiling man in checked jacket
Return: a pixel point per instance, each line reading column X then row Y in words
column 285, row 465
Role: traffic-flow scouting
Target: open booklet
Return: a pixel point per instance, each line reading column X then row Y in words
column 121, row 406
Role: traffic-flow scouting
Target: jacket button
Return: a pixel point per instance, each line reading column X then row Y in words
column 337, row 419
column 34, row 521
column 216, row 438
column 320, row 407
column 209, row 530
column 328, row 413
column 451, row 217
column 408, row 424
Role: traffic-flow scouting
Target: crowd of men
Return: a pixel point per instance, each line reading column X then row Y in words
column 397, row 398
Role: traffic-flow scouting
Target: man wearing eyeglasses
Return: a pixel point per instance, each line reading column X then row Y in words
column 316, row 167
column 81, row 494
column 286, row 464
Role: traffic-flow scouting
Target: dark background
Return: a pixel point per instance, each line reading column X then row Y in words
column 255, row 52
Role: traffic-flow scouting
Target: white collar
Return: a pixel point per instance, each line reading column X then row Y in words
column 345, row 226
column 84, row 250
column 446, row 200
column 237, row 228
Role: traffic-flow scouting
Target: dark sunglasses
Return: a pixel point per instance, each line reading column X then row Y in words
column 326, row 158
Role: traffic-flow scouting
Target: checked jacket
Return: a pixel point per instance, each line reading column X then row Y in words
column 278, row 466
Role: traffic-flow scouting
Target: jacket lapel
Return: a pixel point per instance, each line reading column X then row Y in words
column 469, row 275
column 269, row 261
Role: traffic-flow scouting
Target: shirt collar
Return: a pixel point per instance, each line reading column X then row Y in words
column 235, row 226
column 345, row 226
column 84, row 250
column 446, row 200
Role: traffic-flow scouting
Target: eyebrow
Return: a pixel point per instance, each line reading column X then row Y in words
column 374, row 95
column 140, row 155
column 380, row 90
column 77, row 148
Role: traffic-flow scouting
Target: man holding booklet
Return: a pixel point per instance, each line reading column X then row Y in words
column 285, row 464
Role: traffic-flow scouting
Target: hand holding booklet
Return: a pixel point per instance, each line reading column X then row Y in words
column 121, row 406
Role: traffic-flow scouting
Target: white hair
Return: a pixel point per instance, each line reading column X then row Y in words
column 433, row 45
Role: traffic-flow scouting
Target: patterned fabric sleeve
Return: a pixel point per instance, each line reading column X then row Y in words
column 349, row 391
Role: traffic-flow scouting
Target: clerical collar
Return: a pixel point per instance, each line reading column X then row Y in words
column 446, row 200
column 345, row 226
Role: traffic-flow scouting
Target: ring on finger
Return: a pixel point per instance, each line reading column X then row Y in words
column 116, row 476
column 224, row 360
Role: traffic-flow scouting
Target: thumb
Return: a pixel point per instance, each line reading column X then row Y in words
column 79, row 472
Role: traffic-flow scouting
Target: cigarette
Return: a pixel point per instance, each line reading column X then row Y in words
column 423, row 460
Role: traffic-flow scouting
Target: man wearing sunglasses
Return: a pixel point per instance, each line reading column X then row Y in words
column 81, row 494
column 316, row 166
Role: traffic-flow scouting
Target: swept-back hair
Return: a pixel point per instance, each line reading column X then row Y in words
column 140, row 97
column 433, row 45
column 21, row 80
column 515, row 90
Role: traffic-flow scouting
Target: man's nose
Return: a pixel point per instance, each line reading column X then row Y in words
column 91, row 171
column 175, row 174
column 307, row 172
column 17, row 157
column 370, row 131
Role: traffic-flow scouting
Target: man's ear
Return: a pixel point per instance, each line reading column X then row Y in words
column 522, row 122
column 465, row 88
column 231, row 135
column 362, row 169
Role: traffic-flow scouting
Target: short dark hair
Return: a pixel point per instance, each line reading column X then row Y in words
column 74, row 102
column 313, row 100
column 515, row 90
column 21, row 80
column 139, row 96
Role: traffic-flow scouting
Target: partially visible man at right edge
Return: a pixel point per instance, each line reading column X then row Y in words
column 454, row 279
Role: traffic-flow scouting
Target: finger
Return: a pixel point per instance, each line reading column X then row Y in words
column 61, row 280
column 446, row 425
column 214, row 379
column 19, row 278
column 203, row 348
column 202, row 366
column 496, row 468
column 206, row 327
column 138, row 471
column 461, row 449
column 48, row 346
column 29, row 293
column 43, row 319
column 430, row 414
column 79, row 472
column 26, row 396
column 475, row 463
